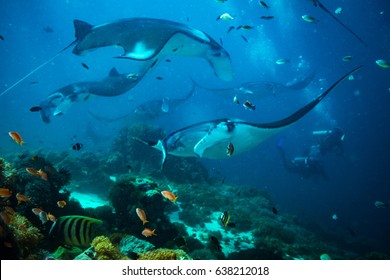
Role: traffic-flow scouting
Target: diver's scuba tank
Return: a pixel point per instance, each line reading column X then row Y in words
column 328, row 132
column 300, row 160
column 321, row 132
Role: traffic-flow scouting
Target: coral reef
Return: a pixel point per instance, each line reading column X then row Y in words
column 130, row 244
column 105, row 250
column 130, row 152
column 26, row 237
column 7, row 175
column 164, row 254
column 130, row 193
column 63, row 253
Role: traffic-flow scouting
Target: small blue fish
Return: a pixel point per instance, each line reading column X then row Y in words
column 383, row 63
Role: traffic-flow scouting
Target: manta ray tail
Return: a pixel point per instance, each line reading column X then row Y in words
column 36, row 69
column 339, row 21
column 306, row 109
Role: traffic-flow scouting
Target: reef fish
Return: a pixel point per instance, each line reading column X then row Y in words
column 149, row 39
column 5, row 193
column 267, row 17
column 249, row 106
column 382, row 63
column 16, row 137
column 169, row 195
column 263, row 4
column 309, row 19
column 22, row 198
column 216, row 244
column 61, row 203
column 282, row 61
column 77, row 146
column 230, row 149
column 347, row 58
column 76, row 231
column 209, row 139
column 42, row 215
column 148, row 232
column 142, row 215
column 225, row 217
column 225, row 16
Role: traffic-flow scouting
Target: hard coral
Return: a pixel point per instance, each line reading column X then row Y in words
column 7, row 175
column 26, row 236
column 164, row 254
column 105, row 250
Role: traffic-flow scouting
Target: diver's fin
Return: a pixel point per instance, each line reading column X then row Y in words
column 339, row 21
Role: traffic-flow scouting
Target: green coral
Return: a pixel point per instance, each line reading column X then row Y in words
column 63, row 253
column 7, row 175
column 105, row 250
column 164, row 254
column 26, row 236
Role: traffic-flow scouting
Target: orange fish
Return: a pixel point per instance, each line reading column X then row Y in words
column 148, row 232
column 51, row 217
column 141, row 214
column 5, row 217
column 230, row 150
column 5, row 193
column 16, row 137
column 42, row 215
column 170, row 196
column 22, row 198
column 36, row 211
column 7, row 244
column 43, row 174
column 32, row 171
column 9, row 210
column 61, row 203
column 23, row 228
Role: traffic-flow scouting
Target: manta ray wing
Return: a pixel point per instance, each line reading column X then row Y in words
column 148, row 39
column 210, row 139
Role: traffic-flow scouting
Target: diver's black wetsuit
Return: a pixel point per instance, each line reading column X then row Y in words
column 332, row 143
column 306, row 166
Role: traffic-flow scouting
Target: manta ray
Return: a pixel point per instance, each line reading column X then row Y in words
column 150, row 39
column 256, row 90
column 58, row 102
column 147, row 40
column 214, row 139
column 149, row 110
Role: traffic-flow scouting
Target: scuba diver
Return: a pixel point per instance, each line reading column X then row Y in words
column 330, row 141
column 310, row 164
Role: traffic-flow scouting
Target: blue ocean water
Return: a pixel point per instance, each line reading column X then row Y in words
column 359, row 106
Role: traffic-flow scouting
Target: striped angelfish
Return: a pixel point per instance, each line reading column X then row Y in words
column 76, row 231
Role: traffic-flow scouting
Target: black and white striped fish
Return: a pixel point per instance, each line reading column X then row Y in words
column 75, row 230
column 225, row 217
